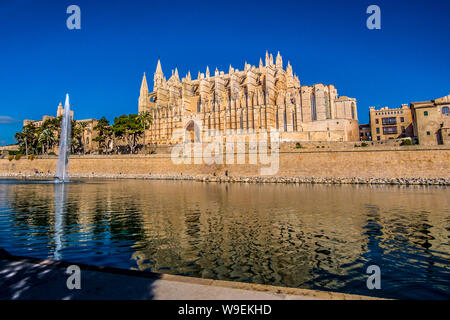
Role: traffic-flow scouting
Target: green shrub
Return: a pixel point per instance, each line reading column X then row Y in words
column 406, row 142
column 364, row 144
column 52, row 154
column 298, row 145
column 31, row 157
column 18, row 156
column 10, row 157
column 13, row 152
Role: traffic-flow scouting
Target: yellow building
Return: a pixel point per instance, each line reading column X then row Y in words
column 394, row 123
column 248, row 101
column 432, row 121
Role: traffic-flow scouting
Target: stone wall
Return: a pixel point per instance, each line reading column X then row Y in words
column 401, row 163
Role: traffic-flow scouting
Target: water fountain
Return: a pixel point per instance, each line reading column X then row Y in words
column 64, row 144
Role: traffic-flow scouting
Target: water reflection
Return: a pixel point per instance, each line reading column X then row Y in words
column 60, row 200
column 308, row 236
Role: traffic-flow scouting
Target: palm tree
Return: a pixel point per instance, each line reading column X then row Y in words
column 47, row 137
column 146, row 119
column 21, row 139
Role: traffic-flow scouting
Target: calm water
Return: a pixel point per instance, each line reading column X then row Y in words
column 306, row 236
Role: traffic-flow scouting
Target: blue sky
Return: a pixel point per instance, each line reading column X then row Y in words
column 101, row 65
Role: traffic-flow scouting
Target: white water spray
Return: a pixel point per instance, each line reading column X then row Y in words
column 64, row 144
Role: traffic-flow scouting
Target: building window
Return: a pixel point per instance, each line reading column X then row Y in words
column 294, row 122
column 260, row 118
column 378, row 138
column 241, row 121
column 327, row 106
column 313, row 107
column 425, row 113
column 403, row 129
column 353, row 110
column 402, row 119
column 276, row 119
column 377, row 121
column 428, row 133
column 389, row 130
column 378, row 130
column 389, row 121
column 445, row 110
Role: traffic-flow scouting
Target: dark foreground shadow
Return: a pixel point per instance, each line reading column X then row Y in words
column 23, row 278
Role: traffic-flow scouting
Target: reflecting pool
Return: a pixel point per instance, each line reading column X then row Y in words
column 307, row 236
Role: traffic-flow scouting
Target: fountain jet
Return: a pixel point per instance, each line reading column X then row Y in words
column 64, row 144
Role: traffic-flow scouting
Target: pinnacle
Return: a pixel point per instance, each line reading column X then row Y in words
column 158, row 67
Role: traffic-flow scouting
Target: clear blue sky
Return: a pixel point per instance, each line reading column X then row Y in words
column 101, row 65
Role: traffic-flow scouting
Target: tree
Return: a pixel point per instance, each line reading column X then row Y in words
column 128, row 127
column 146, row 119
column 103, row 133
column 20, row 137
column 83, row 126
column 75, row 136
column 46, row 140
column 54, row 124
column 27, row 138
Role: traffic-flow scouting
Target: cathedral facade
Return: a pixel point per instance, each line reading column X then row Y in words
column 248, row 101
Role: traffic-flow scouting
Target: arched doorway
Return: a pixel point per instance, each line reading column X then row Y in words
column 192, row 132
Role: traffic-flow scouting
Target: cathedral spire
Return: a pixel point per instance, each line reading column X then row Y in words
column 207, row 71
column 158, row 67
column 267, row 59
column 143, row 96
column 158, row 78
column 279, row 61
column 260, row 63
column 144, row 86
column 289, row 68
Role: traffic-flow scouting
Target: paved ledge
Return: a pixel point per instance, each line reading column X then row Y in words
column 37, row 279
column 246, row 179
